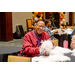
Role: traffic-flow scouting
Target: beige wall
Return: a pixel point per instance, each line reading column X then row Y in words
column 67, row 17
column 19, row 18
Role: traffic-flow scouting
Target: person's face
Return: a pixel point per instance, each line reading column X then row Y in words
column 49, row 23
column 39, row 27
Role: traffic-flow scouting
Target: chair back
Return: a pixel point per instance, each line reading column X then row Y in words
column 71, row 27
column 18, row 59
column 29, row 23
column 55, row 42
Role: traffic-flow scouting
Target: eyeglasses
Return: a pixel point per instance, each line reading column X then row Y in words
column 40, row 26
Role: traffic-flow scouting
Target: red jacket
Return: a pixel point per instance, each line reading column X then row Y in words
column 30, row 43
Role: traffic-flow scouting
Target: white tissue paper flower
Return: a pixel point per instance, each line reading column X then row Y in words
column 59, row 58
column 46, row 46
column 56, row 54
column 53, row 58
column 60, row 50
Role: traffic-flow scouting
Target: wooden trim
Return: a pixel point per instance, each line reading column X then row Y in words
column 6, row 26
column 71, row 19
column 46, row 15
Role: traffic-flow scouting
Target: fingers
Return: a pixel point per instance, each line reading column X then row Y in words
column 46, row 53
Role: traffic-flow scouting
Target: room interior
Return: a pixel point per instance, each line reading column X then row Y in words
column 10, row 20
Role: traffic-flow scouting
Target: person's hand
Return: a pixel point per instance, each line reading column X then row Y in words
column 46, row 54
column 54, row 38
column 39, row 48
column 72, row 46
column 56, row 31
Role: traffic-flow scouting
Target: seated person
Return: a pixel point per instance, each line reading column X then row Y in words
column 47, row 29
column 32, row 40
column 72, row 33
column 52, row 23
column 51, row 28
column 50, row 17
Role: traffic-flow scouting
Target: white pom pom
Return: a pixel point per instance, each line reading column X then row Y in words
column 46, row 46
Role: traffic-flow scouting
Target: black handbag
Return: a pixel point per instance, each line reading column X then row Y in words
column 22, row 53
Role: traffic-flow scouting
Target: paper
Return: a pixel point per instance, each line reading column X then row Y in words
column 56, row 55
column 61, row 50
column 46, row 46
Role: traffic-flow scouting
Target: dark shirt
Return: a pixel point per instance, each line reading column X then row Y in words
column 52, row 24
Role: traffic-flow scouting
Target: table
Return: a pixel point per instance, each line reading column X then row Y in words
column 8, row 50
column 68, row 54
column 63, row 37
column 71, row 57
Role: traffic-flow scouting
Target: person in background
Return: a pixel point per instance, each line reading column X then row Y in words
column 50, row 17
column 47, row 29
column 32, row 40
column 50, row 27
column 72, row 33
column 52, row 22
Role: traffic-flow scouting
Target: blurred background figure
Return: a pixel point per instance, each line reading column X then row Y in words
column 48, row 29
column 50, row 17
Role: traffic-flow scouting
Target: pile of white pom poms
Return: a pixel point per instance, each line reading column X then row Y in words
column 46, row 46
column 56, row 54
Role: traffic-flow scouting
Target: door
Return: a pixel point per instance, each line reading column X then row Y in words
column 6, row 26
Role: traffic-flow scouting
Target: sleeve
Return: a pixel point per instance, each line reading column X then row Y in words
column 52, row 34
column 54, row 25
column 48, row 31
column 28, row 46
column 72, row 33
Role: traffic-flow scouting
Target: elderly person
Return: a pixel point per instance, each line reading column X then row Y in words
column 32, row 40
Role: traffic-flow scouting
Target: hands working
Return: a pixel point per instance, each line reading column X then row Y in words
column 56, row 31
column 43, row 51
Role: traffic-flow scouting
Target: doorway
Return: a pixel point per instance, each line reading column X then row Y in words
column 54, row 15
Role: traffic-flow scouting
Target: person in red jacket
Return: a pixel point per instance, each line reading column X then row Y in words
column 32, row 40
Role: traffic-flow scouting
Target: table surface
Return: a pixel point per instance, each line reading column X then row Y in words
column 9, row 49
column 68, row 54
column 71, row 57
column 12, row 49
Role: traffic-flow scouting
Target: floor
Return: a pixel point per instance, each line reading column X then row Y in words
column 14, row 42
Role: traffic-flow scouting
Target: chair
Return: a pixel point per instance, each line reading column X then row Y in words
column 29, row 25
column 21, row 30
column 55, row 42
column 71, row 27
column 18, row 59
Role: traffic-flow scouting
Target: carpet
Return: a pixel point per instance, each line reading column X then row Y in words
column 14, row 42
column 9, row 49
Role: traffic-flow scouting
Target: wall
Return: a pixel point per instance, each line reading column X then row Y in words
column 19, row 18
column 67, row 17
